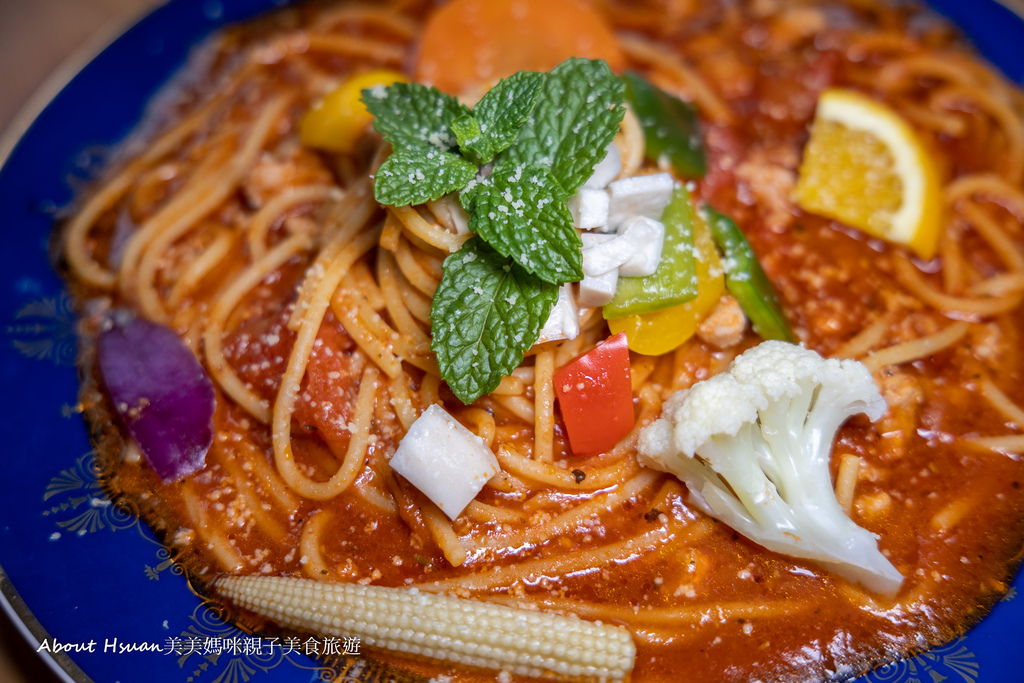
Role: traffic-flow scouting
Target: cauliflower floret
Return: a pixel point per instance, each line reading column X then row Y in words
column 753, row 446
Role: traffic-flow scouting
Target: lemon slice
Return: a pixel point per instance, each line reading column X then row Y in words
column 865, row 166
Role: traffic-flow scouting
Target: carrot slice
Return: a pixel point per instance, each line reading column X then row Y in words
column 471, row 43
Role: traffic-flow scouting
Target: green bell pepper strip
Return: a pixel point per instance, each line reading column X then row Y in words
column 746, row 280
column 675, row 280
column 671, row 129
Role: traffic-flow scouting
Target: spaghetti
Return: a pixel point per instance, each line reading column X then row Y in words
column 309, row 306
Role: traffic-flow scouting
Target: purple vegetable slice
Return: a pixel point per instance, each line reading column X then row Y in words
column 160, row 391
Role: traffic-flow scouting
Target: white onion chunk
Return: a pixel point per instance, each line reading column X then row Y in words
column 448, row 463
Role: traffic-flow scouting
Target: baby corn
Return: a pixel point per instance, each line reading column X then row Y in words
column 412, row 622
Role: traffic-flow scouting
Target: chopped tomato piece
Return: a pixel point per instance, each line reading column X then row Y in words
column 329, row 388
column 596, row 397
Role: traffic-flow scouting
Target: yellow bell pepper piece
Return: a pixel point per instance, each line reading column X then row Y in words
column 659, row 332
column 336, row 122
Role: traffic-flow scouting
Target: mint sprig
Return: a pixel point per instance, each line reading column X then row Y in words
column 541, row 134
column 486, row 312
column 499, row 115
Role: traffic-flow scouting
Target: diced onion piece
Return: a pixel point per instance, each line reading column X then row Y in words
column 589, row 209
column 647, row 237
column 602, row 253
column 160, row 391
column 564, row 320
column 606, row 170
column 645, row 195
column 598, row 291
column 448, row 463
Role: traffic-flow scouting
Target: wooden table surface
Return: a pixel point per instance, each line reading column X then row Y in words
column 36, row 38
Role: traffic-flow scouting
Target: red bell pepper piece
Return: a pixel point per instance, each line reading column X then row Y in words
column 596, row 397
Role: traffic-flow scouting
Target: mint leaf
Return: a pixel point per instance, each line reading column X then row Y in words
column 471, row 139
column 521, row 212
column 419, row 176
column 486, row 312
column 506, row 107
column 413, row 116
column 498, row 116
column 576, row 116
column 467, row 195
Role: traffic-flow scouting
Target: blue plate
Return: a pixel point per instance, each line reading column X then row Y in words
column 74, row 569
